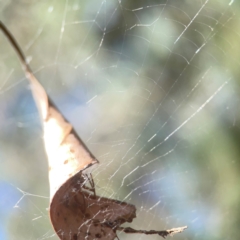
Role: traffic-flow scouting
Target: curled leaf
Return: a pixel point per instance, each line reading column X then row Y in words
column 76, row 211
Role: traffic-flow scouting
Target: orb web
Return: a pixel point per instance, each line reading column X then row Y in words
column 150, row 86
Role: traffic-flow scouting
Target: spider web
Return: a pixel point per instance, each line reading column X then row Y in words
column 152, row 89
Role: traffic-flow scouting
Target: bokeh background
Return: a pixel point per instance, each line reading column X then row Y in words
column 152, row 87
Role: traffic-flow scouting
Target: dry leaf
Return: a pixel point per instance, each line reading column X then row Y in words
column 78, row 214
column 76, row 211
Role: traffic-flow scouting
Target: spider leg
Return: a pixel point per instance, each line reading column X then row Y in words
column 91, row 182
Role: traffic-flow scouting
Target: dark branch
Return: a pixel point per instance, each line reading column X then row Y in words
column 163, row 233
column 16, row 47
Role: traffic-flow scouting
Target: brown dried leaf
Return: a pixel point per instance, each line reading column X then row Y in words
column 75, row 210
column 77, row 214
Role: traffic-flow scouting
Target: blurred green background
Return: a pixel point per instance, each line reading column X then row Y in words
column 151, row 86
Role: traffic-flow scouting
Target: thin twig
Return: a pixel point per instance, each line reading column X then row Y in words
column 17, row 48
column 163, row 233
